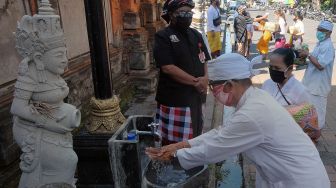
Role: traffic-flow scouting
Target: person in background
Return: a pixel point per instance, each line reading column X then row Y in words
column 250, row 29
column 283, row 86
column 259, row 18
column 263, row 43
column 280, row 38
column 317, row 77
column 213, row 31
column 297, row 38
column 290, row 92
column 260, row 127
column 181, row 55
column 240, row 30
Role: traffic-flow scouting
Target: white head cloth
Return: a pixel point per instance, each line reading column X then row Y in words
column 232, row 66
column 327, row 25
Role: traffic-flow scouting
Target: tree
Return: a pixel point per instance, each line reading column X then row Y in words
column 316, row 4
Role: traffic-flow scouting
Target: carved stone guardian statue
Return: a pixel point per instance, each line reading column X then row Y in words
column 42, row 121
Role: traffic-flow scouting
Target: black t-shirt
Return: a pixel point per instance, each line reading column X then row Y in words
column 182, row 49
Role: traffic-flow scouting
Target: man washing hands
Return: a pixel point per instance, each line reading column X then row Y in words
column 285, row 157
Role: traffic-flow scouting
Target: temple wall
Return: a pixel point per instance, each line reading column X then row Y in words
column 10, row 12
column 74, row 25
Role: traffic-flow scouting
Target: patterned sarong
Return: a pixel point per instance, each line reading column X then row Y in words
column 174, row 123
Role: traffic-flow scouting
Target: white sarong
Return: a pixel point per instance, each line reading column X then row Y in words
column 320, row 104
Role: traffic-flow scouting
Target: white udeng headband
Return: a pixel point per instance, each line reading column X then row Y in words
column 326, row 25
column 232, row 66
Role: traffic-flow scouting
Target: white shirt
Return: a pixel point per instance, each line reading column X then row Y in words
column 212, row 14
column 282, row 24
column 260, row 127
column 319, row 82
column 294, row 91
column 299, row 26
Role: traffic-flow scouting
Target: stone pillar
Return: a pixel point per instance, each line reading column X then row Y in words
column 138, row 40
column 117, row 66
column 152, row 20
column 199, row 18
column 137, row 47
column 135, row 40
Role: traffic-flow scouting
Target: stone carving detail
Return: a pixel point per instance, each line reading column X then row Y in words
column 106, row 117
column 42, row 121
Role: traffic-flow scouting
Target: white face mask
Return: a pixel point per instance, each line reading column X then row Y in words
column 222, row 97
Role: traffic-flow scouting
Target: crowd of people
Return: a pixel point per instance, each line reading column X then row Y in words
column 281, row 147
column 244, row 26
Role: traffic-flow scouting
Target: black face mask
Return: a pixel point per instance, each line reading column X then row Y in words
column 183, row 23
column 277, row 76
column 182, row 20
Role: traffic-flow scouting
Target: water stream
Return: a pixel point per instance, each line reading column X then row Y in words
column 170, row 174
column 167, row 174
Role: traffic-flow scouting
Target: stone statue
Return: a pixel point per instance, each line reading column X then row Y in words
column 42, row 121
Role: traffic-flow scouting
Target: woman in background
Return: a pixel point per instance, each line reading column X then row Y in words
column 299, row 27
column 280, row 38
column 214, row 31
column 263, row 43
column 290, row 92
column 283, row 86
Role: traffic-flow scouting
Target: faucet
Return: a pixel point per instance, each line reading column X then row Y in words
column 154, row 132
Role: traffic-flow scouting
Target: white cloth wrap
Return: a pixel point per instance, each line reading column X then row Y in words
column 232, row 66
column 326, row 25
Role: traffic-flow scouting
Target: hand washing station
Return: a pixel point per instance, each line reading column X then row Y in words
column 131, row 168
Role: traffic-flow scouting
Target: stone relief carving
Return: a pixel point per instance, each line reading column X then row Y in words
column 42, row 121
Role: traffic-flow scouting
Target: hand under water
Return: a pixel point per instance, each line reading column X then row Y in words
column 165, row 153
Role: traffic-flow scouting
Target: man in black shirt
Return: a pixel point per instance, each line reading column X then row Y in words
column 181, row 55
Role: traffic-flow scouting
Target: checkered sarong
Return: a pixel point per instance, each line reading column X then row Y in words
column 174, row 123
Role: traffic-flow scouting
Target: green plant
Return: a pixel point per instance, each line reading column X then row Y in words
column 326, row 4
